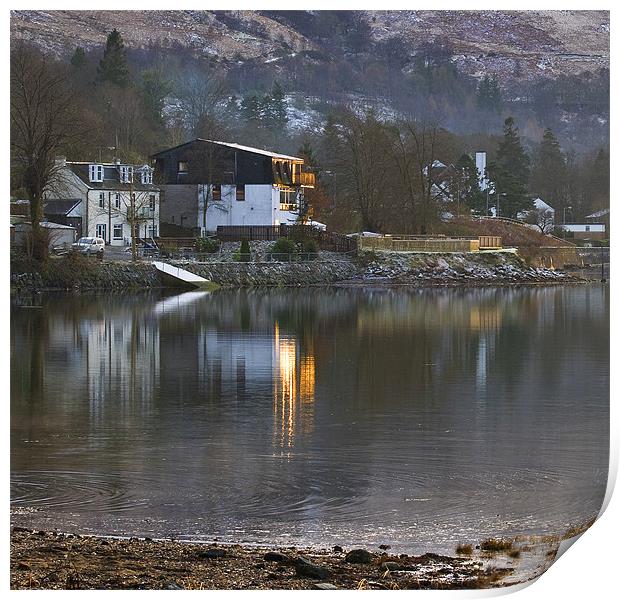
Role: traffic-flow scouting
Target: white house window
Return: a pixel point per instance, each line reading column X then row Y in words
column 240, row 195
column 152, row 201
column 118, row 232
column 216, row 192
column 152, row 231
column 587, row 228
column 95, row 173
column 182, row 166
column 101, row 199
column 288, row 200
column 146, row 177
column 117, row 200
column 126, row 172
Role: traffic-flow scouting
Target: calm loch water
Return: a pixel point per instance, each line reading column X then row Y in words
column 417, row 418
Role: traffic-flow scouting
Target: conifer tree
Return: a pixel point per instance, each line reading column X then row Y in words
column 79, row 57
column 278, row 106
column 153, row 90
column 549, row 172
column 510, row 173
column 113, row 65
column 469, row 184
column 488, row 95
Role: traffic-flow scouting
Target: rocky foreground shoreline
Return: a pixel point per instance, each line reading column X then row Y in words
column 52, row 560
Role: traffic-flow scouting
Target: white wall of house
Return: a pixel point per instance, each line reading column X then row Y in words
column 584, row 227
column 110, row 220
column 261, row 206
column 107, row 215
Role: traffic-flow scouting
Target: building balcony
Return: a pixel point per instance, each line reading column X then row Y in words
column 305, row 179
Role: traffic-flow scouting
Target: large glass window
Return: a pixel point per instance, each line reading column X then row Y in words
column 118, row 232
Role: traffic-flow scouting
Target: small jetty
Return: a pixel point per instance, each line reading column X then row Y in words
column 180, row 278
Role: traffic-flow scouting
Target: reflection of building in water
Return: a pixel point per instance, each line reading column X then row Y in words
column 122, row 362
column 294, row 379
column 484, row 317
column 232, row 363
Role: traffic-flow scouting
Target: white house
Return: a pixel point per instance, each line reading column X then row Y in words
column 586, row 231
column 209, row 183
column 539, row 205
column 107, row 198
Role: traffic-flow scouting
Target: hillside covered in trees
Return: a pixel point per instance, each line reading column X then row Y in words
column 366, row 98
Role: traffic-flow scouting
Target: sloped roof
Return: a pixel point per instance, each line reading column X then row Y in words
column 540, row 204
column 81, row 170
column 598, row 214
column 60, row 207
column 237, row 147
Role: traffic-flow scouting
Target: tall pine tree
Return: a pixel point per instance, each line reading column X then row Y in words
column 79, row 57
column 510, row 173
column 549, row 172
column 113, row 65
column 469, row 185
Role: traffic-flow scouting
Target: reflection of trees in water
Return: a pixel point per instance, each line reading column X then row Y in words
column 374, row 348
column 365, row 394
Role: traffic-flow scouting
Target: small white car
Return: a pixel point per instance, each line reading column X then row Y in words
column 89, row 245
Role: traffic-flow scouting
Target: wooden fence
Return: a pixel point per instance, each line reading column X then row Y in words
column 435, row 244
column 326, row 240
column 236, row 233
column 490, row 242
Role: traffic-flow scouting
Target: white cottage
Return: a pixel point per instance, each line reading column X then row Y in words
column 107, row 198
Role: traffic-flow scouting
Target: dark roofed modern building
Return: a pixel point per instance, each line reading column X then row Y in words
column 207, row 183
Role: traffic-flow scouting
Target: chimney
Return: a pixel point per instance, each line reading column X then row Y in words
column 61, row 161
column 481, row 166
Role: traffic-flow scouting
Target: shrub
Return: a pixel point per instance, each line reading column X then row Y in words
column 208, row 245
column 464, row 549
column 282, row 250
column 244, row 254
column 495, row 545
column 309, row 249
column 165, row 250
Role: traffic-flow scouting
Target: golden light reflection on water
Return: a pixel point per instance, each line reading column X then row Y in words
column 293, row 390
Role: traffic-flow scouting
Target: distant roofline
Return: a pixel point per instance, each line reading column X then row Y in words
column 598, row 213
column 236, row 147
column 106, row 164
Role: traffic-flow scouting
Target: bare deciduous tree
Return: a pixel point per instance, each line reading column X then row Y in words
column 199, row 99
column 357, row 153
column 44, row 120
column 543, row 218
column 135, row 206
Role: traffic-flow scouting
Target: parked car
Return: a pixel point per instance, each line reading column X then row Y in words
column 89, row 246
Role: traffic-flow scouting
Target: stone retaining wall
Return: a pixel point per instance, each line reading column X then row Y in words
column 550, row 257
column 271, row 273
column 390, row 267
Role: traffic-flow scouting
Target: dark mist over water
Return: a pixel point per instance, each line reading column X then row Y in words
column 417, row 418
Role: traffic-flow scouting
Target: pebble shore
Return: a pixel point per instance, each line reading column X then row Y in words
column 52, row 560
